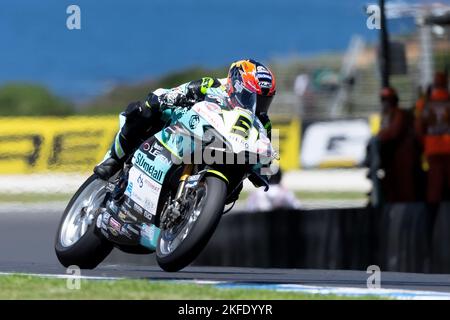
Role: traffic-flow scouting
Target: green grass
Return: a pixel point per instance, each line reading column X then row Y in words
column 321, row 195
column 301, row 195
column 32, row 287
column 34, row 197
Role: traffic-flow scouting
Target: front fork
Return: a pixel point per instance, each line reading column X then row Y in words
column 173, row 212
column 187, row 171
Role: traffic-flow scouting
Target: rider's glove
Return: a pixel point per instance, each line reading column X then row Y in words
column 137, row 110
column 174, row 99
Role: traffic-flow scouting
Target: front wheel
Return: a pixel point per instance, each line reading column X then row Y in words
column 76, row 241
column 180, row 245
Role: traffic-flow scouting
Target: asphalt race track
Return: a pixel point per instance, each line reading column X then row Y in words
column 26, row 246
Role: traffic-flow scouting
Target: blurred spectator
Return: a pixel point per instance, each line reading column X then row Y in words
column 433, row 127
column 301, row 85
column 399, row 156
column 277, row 197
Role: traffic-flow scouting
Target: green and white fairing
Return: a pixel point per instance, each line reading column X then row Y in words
column 237, row 130
column 240, row 129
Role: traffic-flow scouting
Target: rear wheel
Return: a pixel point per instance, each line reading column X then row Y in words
column 180, row 245
column 76, row 241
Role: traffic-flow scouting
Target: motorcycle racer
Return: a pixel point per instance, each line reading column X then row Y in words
column 155, row 203
column 142, row 119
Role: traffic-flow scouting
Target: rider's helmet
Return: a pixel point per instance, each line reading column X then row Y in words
column 249, row 80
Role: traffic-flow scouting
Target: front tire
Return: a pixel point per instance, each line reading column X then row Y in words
column 201, row 230
column 76, row 241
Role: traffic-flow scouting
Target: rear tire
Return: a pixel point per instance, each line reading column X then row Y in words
column 201, row 231
column 90, row 249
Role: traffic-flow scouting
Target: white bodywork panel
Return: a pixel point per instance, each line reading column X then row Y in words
column 224, row 120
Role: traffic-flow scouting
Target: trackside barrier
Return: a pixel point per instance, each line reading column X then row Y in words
column 322, row 239
column 50, row 144
column 441, row 240
column 396, row 239
column 405, row 237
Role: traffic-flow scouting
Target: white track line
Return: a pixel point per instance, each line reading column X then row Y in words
column 60, row 276
column 317, row 290
column 346, row 291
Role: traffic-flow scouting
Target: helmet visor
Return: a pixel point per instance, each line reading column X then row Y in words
column 244, row 99
column 263, row 104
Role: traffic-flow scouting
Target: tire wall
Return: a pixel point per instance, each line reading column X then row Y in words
column 400, row 237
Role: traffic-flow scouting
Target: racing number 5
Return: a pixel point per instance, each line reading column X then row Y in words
column 242, row 126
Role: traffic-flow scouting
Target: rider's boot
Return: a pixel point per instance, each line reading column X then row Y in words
column 113, row 160
column 107, row 168
column 135, row 124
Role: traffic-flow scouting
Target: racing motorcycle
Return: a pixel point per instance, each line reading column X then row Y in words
column 172, row 191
